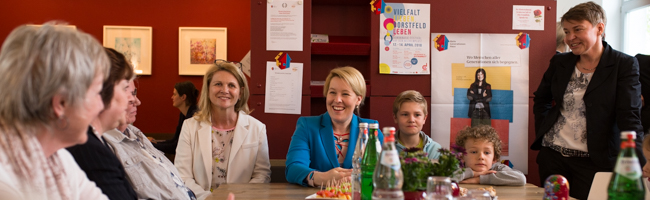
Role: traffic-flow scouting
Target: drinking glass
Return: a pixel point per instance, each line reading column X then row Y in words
column 477, row 194
column 439, row 188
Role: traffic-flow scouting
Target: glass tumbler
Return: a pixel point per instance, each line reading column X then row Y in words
column 476, row 194
column 439, row 188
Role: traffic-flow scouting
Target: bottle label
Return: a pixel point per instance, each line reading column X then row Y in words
column 628, row 167
column 390, row 159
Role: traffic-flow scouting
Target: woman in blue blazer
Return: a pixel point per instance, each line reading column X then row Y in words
column 322, row 146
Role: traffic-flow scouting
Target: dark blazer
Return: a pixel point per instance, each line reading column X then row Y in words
column 644, row 69
column 169, row 146
column 477, row 97
column 102, row 167
column 312, row 147
column 612, row 100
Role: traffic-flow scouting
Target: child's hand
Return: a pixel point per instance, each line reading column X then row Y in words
column 473, row 180
column 477, row 174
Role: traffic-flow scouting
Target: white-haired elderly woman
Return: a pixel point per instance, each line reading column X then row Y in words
column 51, row 77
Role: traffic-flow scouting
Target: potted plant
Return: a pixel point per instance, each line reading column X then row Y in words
column 417, row 167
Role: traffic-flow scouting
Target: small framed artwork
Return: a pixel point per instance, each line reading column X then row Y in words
column 132, row 41
column 198, row 47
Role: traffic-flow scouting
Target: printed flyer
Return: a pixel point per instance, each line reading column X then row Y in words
column 404, row 39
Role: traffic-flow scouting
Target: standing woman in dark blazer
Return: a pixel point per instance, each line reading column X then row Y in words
column 184, row 98
column 597, row 95
column 480, row 95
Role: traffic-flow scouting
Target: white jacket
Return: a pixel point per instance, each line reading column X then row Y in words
column 12, row 187
column 248, row 161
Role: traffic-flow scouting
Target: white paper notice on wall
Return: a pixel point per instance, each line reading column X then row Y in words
column 528, row 17
column 284, row 24
column 283, row 89
column 246, row 64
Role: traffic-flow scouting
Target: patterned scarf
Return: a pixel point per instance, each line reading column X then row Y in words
column 36, row 174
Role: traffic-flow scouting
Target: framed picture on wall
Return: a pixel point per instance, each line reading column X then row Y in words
column 198, row 47
column 132, row 41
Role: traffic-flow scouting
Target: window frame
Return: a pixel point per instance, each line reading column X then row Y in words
column 627, row 7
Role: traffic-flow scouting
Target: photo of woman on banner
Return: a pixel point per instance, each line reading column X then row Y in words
column 479, row 95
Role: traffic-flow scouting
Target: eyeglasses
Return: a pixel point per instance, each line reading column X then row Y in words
column 219, row 61
column 134, row 93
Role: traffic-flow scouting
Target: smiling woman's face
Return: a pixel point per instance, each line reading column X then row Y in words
column 224, row 90
column 341, row 101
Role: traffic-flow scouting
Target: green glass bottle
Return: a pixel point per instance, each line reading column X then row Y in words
column 626, row 182
column 369, row 161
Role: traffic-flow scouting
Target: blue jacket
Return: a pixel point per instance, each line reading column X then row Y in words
column 312, row 147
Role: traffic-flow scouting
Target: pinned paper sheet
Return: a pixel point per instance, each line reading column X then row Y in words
column 246, row 64
column 283, row 60
column 526, row 17
column 284, row 25
column 404, row 37
column 283, row 89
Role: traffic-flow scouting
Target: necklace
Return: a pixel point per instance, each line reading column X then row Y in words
column 592, row 69
column 584, row 68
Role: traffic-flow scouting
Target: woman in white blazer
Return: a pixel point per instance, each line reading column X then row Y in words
column 222, row 143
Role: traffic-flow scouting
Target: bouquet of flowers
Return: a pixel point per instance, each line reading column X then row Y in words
column 450, row 161
column 417, row 167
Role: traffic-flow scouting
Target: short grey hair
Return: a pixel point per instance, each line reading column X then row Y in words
column 37, row 63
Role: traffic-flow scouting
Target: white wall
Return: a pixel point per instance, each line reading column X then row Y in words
column 612, row 11
column 614, row 27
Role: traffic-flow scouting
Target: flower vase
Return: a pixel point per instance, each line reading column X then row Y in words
column 415, row 195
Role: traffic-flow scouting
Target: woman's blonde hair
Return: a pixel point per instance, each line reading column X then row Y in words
column 38, row 62
column 352, row 77
column 205, row 105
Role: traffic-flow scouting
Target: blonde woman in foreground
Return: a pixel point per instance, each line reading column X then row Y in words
column 51, row 78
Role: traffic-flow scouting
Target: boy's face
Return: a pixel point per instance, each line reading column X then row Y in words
column 480, row 154
column 646, row 167
column 410, row 118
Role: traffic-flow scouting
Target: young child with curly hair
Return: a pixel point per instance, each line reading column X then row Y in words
column 483, row 148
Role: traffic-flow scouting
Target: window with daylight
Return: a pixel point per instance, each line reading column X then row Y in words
column 636, row 33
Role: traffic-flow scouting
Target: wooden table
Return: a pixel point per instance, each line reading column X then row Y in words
column 290, row 191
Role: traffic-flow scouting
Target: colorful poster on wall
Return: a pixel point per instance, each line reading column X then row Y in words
column 481, row 79
column 404, row 39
